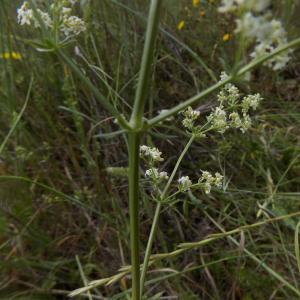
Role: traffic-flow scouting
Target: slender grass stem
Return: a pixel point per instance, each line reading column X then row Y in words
column 136, row 121
column 134, row 160
column 101, row 98
column 146, row 65
column 157, row 213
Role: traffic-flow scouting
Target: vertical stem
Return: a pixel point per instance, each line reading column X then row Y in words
column 136, row 122
column 157, row 212
column 146, row 65
column 134, row 143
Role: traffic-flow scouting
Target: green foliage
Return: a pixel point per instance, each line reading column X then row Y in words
column 63, row 145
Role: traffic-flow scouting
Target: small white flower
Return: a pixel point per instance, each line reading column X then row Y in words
column 251, row 101
column 152, row 173
column 152, row 153
column 190, row 116
column 250, row 25
column 155, row 175
column 234, row 5
column 163, row 175
column 66, row 11
column 246, row 123
column 72, row 26
column 218, row 119
column 24, row 14
column 218, row 180
column 45, row 18
column 184, row 183
column 223, row 76
column 235, row 119
column 207, row 181
column 228, row 6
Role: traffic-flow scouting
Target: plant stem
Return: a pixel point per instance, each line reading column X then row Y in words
column 146, row 64
column 136, row 122
column 157, row 213
column 134, row 160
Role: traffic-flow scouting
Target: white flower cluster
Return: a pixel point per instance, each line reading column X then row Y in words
column 257, row 25
column 229, row 100
column 155, row 175
column 69, row 25
column 152, row 156
column 207, row 180
column 190, row 116
column 151, row 152
column 184, row 183
column 236, row 5
column 25, row 16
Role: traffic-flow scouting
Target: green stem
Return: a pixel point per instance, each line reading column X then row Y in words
column 157, row 213
column 136, row 122
column 134, row 159
column 149, row 246
column 146, row 65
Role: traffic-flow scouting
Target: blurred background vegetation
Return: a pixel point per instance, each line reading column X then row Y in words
column 64, row 217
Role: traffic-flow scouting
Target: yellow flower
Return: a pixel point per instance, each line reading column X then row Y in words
column 180, row 25
column 226, row 37
column 16, row 55
column 196, row 3
column 9, row 55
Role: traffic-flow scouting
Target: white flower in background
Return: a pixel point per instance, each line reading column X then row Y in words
column 246, row 123
column 250, row 25
column 45, row 18
column 184, row 183
column 256, row 24
column 69, row 25
column 164, row 175
column 66, row 11
column 72, row 26
column 276, row 63
column 228, row 6
column 155, row 175
column 223, row 76
column 235, row 119
column 207, row 180
column 234, row 5
column 218, row 180
column 153, row 153
column 24, row 14
column 250, row 101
